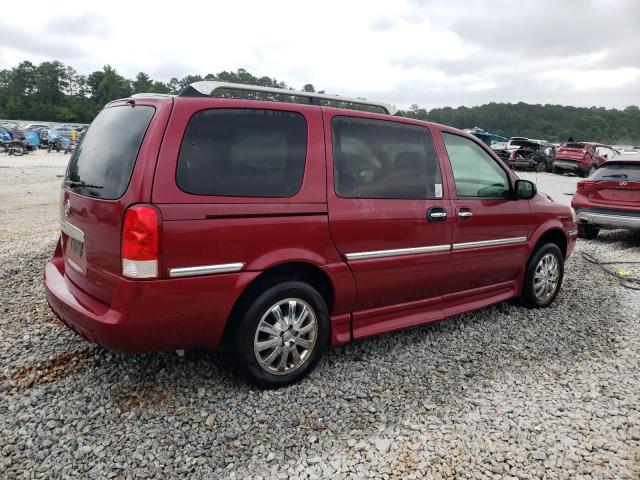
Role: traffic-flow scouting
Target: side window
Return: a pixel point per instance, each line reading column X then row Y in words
column 243, row 153
column 384, row 159
column 475, row 172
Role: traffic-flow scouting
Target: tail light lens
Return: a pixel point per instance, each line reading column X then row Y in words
column 584, row 186
column 140, row 233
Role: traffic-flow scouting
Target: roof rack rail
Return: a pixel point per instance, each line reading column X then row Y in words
column 206, row 88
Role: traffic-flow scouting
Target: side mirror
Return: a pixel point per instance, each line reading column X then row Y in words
column 524, row 190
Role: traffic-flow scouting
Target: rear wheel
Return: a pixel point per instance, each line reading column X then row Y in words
column 588, row 232
column 280, row 337
column 556, row 170
column 541, row 167
column 543, row 277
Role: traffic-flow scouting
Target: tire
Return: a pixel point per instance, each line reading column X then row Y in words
column 17, row 150
column 534, row 294
column 588, row 232
column 556, row 170
column 541, row 167
column 240, row 342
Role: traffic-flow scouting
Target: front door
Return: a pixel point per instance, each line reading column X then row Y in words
column 388, row 218
column 490, row 228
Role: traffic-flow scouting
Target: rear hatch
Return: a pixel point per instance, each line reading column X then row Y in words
column 111, row 168
column 615, row 185
column 571, row 152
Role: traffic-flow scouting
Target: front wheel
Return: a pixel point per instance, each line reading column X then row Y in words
column 281, row 336
column 543, row 277
column 541, row 167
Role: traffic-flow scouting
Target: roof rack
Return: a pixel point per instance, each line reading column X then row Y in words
column 206, row 88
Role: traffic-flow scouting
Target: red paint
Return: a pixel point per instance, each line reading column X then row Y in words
column 614, row 196
column 584, row 158
column 315, row 227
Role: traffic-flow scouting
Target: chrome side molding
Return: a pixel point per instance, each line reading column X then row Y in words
column 397, row 252
column 72, row 231
column 488, row 243
column 205, row 270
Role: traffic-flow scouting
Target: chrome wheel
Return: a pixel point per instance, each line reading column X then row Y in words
column 546, row 276
column 286, row 336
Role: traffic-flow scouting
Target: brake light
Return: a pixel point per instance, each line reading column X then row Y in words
column 585, row 186
column 140, row 234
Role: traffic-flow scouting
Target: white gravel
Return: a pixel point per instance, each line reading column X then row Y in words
column 500, row 393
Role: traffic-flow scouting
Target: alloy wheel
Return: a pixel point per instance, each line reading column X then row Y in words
column 546, row 276
column 286, row 336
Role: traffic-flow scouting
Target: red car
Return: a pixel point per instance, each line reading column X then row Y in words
column 581, row 158
column 276, row 228
column 610, row 198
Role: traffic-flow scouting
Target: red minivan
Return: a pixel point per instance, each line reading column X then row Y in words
column 278, row 226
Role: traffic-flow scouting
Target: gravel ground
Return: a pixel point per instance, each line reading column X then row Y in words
column 500, row 393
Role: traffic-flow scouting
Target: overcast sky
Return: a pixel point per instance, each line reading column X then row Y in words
column 433, row 53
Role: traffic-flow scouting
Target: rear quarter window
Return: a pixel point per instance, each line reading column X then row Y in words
column 243, row 153
column 102, row 164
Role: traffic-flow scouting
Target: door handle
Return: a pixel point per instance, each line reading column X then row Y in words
column 436, row 214
column 465, row 214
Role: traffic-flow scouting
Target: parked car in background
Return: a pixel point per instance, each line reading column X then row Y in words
column 610, row 198
column 56, row 132
column 5, row 134
column 582, row 158
column 528, row 153
column 367, row 223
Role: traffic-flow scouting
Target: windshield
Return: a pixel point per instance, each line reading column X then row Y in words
column 102, row 164
column 618, row 171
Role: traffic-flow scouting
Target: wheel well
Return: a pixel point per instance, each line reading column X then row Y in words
column 300, row 271
column 554, row 236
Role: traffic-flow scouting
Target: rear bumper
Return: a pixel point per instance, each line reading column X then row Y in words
column 148, row 316
column 609, row 220
column 567, row 165
column 521, row 163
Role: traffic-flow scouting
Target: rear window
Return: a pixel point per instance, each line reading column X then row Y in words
column 579, row 146
column 102, row 163
column 243, row 153
column 618, row 171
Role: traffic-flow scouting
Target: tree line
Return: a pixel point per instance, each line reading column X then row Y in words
column 52, row 91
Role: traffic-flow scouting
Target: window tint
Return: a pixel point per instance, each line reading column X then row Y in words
column 243, row 153
column 102, row 163
column 476, row 173
column 383, row 159
column 618, row 171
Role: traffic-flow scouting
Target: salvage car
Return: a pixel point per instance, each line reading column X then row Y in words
column 581, row 158
column 610, row 198
column 527, row 153
column 274, row 229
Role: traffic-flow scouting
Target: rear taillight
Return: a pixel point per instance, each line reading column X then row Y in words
column 140, row 241
column 585, row 186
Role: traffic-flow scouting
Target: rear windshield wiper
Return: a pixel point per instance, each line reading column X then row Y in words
column 616, row 175
column 71, row 183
